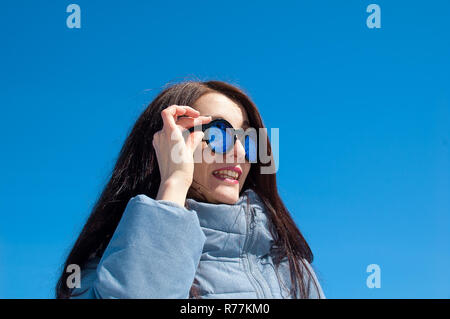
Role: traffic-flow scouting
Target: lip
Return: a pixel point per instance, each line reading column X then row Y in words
column 231, row 168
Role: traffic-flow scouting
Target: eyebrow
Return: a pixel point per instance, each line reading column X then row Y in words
column 213, row 117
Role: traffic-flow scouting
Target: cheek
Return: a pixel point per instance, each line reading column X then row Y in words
column 246, row 169
column 199, row 168
column 199, row 171
column 202, row 171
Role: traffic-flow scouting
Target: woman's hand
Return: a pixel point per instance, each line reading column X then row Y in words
column 177, row 171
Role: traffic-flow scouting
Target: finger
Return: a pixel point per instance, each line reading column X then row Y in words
column 195, row 140
column 170, row 114
column 190, row 111
column 155, row 140
column 167, row 116
column 188, row 122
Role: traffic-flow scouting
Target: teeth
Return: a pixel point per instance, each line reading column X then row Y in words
column 226, row 173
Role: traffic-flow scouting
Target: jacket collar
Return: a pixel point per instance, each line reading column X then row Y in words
column 235, row 228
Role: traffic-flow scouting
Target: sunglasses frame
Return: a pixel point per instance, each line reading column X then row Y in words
column 206, row 126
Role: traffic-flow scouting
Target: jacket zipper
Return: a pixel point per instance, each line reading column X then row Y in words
column 246, row 258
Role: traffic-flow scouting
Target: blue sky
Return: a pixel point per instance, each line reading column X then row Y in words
column 363, row 117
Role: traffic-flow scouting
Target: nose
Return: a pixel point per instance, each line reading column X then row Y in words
column 239, row 151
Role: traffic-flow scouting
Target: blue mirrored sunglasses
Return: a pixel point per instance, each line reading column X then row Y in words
column 221, row 136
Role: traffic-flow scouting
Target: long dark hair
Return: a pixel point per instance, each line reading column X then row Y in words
column 136, row 172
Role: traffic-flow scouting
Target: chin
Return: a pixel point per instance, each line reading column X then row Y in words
column 226, row 195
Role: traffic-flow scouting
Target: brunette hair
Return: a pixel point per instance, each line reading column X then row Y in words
column 136, row 172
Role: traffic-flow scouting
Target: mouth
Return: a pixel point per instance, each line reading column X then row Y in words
column 229, row 174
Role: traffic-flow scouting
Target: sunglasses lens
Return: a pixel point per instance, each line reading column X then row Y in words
column 219, row 140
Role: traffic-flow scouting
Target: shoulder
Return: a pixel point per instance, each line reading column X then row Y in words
column 143, row 199
column 315, row 289
column 310, row 279
column 88, row 277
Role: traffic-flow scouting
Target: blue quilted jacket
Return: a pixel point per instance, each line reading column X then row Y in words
column 160, row 249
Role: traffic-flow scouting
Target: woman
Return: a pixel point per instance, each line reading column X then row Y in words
column 168, row 226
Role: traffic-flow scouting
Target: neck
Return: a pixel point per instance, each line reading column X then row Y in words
column 228, row 226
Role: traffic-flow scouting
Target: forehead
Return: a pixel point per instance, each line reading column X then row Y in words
column 219, row 106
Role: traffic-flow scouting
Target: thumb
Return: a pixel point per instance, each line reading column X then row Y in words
column 197, row 139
